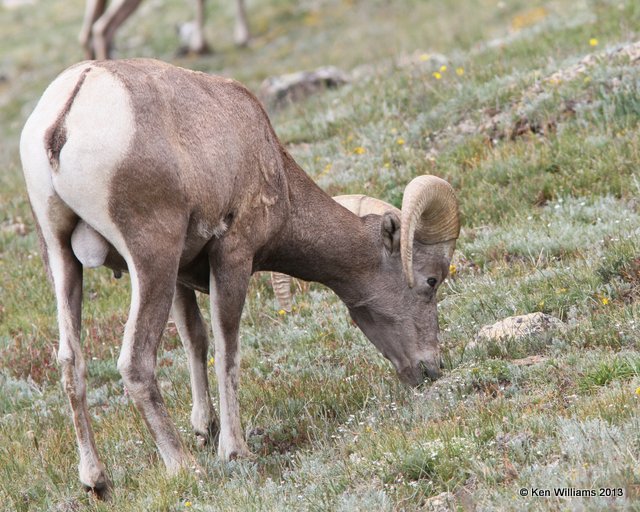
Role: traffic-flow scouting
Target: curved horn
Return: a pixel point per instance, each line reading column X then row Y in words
column 363, row 205
column 429, row 214
column 282, row 289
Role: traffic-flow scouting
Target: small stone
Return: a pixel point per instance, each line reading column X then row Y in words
column 277, row 91
column 443, row 502
column 520, row 326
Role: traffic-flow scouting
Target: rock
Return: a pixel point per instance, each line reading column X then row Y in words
column 529, row 361
column 519, row 327
column 277, row 91
column 443, row 502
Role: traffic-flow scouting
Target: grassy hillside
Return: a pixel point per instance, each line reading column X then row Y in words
column 531, row 110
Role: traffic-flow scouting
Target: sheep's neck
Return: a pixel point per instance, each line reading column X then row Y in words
column 321, row 241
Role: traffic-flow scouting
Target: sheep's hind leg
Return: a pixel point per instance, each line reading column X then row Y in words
column 66, row 274
column 193, row 333
column 153, row 278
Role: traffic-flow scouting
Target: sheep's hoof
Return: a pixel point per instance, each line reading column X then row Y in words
column 101, row 490
column 242, row 455
column 239, row 452
column 210, row 437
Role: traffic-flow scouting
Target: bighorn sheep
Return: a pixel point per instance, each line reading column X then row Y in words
column 179, row 178
column 100, row 24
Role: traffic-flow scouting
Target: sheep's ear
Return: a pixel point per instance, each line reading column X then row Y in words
column 390, row 231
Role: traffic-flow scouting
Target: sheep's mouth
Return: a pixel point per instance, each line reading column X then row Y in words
column 423, row 372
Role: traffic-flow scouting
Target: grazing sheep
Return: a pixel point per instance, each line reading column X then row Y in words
column 178, row 178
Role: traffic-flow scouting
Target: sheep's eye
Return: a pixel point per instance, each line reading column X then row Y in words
column 432, row 281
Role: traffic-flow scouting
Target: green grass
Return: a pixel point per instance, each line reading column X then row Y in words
column 544, row 160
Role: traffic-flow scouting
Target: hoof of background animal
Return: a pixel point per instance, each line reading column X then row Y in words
column 186, row 50
column 243, row 43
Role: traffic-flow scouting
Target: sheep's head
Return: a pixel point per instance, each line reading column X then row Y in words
column 396, row 307
column 398, row 312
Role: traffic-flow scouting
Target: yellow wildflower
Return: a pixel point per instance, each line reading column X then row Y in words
column 211, row 362
column 282, row 312
column 187, row 503
column 452, row 270
column 437, row 75
column 604, row 300
column 459, row 71
column 425, row 57
column 387, row 165
column 359, row 150
column 312, row 19
column 593, row 42
column 443, row 68
column 326, row 169
column 528, row 18
column 400, row 141
column 638, row 391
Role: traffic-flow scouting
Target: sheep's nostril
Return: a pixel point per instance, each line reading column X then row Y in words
column 441, row 364
column 432, row 281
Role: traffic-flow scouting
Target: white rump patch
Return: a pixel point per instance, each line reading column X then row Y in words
column 100, row 128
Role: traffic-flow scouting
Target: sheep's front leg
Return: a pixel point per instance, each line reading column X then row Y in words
column 228, row 287
column 193, row 333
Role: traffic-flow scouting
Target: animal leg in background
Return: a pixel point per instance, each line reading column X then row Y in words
column 105, row 27
column 93, row 10
column 241, row 34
